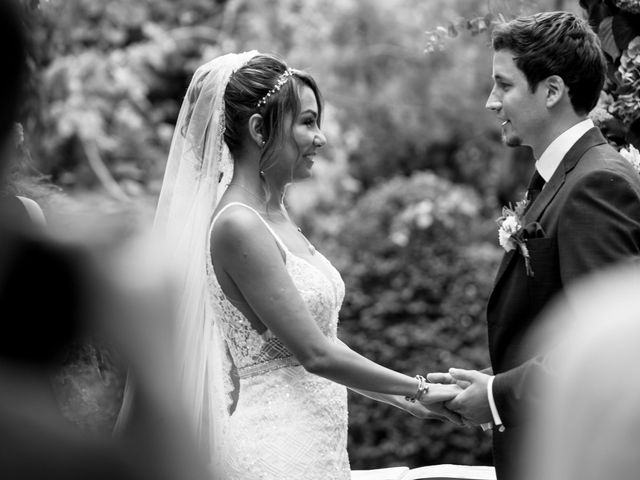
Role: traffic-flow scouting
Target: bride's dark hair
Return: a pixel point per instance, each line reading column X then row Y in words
column 248, row 86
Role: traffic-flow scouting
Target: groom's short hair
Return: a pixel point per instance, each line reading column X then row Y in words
column 556, row 43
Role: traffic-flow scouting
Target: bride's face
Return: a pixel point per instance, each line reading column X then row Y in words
column 305, row 139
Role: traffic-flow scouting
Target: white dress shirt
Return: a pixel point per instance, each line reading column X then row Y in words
column 546, row 166
column 555, row 152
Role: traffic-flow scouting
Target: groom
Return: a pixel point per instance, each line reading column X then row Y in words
column 583, row 210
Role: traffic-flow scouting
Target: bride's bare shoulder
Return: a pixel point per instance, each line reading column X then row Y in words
column 235, row 225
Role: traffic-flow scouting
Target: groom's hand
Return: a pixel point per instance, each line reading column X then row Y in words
column 435, row 400
column 472, row 403
column 440, row 408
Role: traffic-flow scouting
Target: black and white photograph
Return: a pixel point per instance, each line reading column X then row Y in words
column 319, row 239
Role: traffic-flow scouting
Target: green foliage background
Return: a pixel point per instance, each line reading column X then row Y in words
column 403, row 201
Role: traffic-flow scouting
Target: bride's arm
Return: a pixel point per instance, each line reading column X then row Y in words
column 416, row 409
column 253, row 261
column 398, row 401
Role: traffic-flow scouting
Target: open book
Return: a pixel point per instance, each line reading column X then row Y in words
column 434, row 472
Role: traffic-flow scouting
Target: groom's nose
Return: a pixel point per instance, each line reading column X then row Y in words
column 493, row 103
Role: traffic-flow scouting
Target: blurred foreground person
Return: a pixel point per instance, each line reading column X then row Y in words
column 50, row 295
column 41, row 303
column 588, row 416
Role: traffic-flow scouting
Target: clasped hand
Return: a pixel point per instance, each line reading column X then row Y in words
column 471, row 404
column 431, row 403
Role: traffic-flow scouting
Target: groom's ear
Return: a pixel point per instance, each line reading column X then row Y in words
column 555, row 90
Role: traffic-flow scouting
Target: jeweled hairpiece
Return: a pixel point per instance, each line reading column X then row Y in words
column 281, row 81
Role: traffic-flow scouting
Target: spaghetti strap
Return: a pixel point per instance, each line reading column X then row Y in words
column 277, row 238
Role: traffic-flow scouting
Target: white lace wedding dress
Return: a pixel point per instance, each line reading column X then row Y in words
column 288, row 423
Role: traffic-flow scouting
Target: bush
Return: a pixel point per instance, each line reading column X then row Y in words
column 418, row 266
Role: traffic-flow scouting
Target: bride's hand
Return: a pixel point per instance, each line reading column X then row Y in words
column 439, row 393
column 436, row 411
column 417, row 409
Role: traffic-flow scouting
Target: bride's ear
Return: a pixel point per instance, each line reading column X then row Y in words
column 256, row 124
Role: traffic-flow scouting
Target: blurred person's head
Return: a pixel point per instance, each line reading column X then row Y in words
column 21, row 173
column 13, row 53
column 548, row 71
column 588, row 425
column 41, row 285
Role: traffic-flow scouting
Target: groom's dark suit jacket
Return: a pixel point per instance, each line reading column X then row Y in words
column 590, row 214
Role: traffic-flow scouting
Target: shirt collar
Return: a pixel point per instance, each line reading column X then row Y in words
column 555, row 152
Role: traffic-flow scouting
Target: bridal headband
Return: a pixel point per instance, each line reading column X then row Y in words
column 281, row 81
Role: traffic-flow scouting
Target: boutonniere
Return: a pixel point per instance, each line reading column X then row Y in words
column 510, row 232
column 632, row 155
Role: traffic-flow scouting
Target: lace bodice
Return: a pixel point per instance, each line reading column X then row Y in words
column 287, row 424
column 254, row 353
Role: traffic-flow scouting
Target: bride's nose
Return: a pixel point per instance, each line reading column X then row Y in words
column 319, row 139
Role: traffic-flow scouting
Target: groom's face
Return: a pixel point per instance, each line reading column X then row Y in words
column 521, row 112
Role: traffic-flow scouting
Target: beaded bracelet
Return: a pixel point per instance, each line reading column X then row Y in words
column 423, row 388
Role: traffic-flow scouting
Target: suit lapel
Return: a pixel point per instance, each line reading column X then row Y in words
column 534, row 212
column 549, row 191
column 591, row 138
column 506, row 260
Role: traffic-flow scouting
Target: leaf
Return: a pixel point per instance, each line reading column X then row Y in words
column 489, row 18
column 453, row 32
column 475, row 26
column 597, row 10
column 624, row 29
column 609, row 45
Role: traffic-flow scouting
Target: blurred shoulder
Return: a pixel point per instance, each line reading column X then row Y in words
column 34, row 211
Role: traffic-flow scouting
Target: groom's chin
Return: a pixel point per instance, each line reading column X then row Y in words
column 511, row 141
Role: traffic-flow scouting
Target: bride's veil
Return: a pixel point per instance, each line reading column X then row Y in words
column 198, row 170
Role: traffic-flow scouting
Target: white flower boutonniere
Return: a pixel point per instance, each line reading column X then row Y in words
column 510, row 231
column 632, row 155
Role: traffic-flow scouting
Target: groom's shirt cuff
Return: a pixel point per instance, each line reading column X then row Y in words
column 497, row 421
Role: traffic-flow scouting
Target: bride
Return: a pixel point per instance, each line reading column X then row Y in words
column 263, row 371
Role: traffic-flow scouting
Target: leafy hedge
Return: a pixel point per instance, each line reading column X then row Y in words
column 418, row 260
